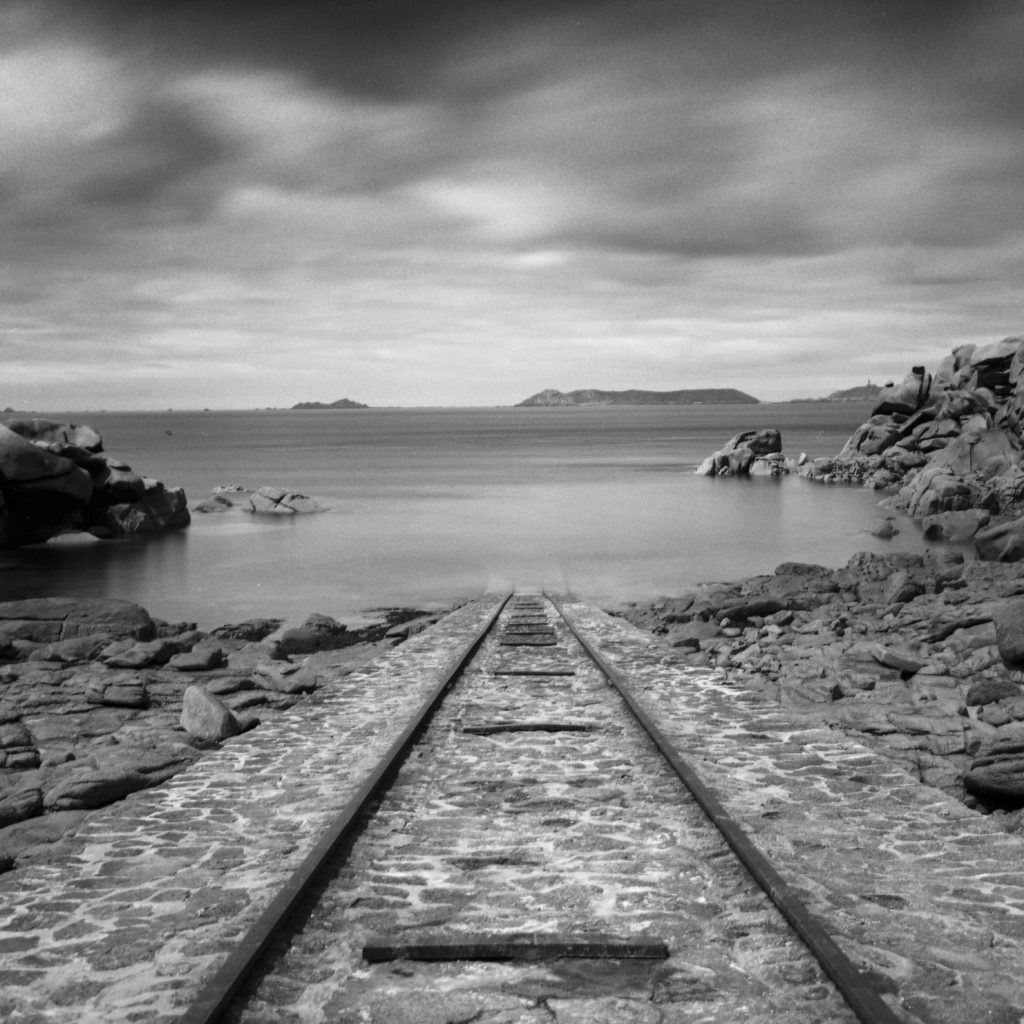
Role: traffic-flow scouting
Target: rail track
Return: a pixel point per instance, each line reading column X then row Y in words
column 532, row 848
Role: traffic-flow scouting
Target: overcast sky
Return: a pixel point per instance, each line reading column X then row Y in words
column 253, row 204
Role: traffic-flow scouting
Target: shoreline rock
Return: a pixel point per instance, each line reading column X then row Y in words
column 948, row 448
column 55, row 479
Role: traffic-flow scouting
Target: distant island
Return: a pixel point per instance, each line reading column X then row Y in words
column 591, row 396
column 341, row 403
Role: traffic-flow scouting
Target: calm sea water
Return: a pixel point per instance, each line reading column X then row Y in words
column 429, row 506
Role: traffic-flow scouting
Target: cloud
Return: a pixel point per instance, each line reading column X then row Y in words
column 420, row 199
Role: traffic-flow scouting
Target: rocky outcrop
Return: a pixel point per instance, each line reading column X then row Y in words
column 750, row 453
column 949, row 447
column 55, row 478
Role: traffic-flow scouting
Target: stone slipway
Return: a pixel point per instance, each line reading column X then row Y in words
column 922, row 893
column 123, row 921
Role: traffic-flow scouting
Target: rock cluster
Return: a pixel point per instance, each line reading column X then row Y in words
column 55, row 478
column 921, row 656
column 949, row 445
column 750, row 453
column 98, row 699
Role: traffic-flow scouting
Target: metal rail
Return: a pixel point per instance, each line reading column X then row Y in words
column 219, row 990
column 865, row 1002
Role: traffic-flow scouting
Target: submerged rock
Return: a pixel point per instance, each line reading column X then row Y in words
column 278, row 501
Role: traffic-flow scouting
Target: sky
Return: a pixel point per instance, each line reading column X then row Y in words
column 251, row 204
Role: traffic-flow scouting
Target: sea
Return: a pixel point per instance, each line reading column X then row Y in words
column 429, row 507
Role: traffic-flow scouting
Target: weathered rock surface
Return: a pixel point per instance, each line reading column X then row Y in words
column 278, row 501
column 997, row 772
column 1008, row 618
column 93, row 701
column 252, row 630
column 919, row 656
column 55, row 479
column 284, row 677
column 48, row 620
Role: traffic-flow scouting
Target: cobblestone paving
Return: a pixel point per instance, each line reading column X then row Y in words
column 921, row 893
column 120, row 923
column 569, row 823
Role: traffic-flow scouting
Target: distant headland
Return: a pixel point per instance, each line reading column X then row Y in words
column 341, row 403
column 864, row 393
column 591, row 396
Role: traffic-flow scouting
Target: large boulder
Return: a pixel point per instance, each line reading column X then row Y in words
column 206, row 716
column 317, row 633
column 743, row 451
column 906, row 397
column 22, row 462
column 1008, row 617
column 52, row 432
column 117, row 482
column 42, row 492
column 988, row 691
column 955, row 527
column 1003, row 542
column 17, row 747
column 992, row 363
column 160, row 509
column 997, row 772
column 986, row 452
column 802, row 586
column 933, row 489
column 760, row 442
